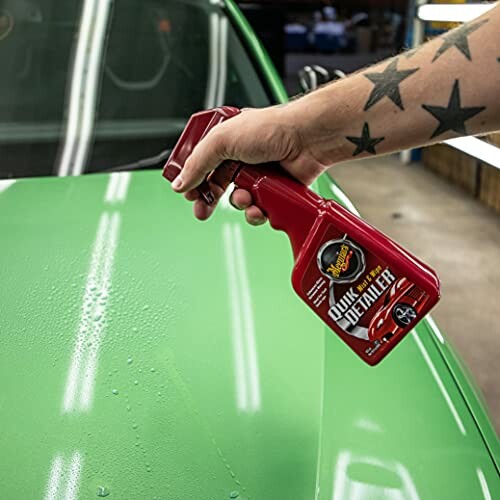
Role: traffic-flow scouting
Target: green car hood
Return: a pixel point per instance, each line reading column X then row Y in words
column 147, row 355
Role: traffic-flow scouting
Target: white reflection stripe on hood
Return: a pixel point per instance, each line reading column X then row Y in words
column 54, row 478
column 440, row 384
column 64, row 478
column 92, row 321
column 434, row 328
column 484, row 484
column 96, row 333
column 113, row 181
column 243, row 330
column 87, row 310
column 346, row 487
column 117, row 187
column 123, row 186
column 75, row 469
column 237, row 334
column 5, row 184
column 248, row 320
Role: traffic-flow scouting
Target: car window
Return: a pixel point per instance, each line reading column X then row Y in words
column 90, row 84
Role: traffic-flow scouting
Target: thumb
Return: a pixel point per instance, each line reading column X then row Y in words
column 207, row 155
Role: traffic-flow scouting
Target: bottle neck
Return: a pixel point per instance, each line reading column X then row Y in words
column 290, row 206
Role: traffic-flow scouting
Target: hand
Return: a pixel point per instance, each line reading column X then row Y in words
column 254, row 136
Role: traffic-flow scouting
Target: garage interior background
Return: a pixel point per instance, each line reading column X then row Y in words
column 439, row 204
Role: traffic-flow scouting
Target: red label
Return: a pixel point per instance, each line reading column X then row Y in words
column 359, row 295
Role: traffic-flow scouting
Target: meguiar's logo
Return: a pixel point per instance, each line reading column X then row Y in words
column 342, row 263
column 341, row 260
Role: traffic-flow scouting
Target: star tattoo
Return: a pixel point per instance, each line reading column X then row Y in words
column 458, row 38
column 365, row 142
column 452, row 117
column 387, row 84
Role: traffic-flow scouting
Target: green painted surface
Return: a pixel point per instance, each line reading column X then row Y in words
column 449, row 357
column 221, row 374
column 207, row 421
column 471, row 394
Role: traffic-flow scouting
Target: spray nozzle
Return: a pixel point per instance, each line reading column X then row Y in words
column 196, row 129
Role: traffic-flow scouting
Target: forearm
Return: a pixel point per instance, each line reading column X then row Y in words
column 447, row 88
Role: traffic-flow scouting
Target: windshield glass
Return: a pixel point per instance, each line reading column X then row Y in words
column 87, row 85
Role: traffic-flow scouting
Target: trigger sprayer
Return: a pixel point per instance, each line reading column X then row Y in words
column 365, row 287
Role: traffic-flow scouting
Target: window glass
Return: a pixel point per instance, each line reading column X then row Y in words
column 89, row 85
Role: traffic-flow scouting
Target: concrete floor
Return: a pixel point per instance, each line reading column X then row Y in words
column 457, row 236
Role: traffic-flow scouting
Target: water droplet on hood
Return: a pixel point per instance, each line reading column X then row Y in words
column 102, row 491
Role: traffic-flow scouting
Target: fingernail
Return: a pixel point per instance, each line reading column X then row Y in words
column 176, row 185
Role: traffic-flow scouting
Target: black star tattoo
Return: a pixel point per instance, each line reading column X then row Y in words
column 387, row 84
column 365, row 142
column 452, row 117
column 458, row 38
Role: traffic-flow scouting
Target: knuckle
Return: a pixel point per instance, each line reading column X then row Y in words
column 222, row 141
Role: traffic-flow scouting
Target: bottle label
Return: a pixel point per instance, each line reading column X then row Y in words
column 360, row 295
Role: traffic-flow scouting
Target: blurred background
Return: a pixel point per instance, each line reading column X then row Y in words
column 345, row 35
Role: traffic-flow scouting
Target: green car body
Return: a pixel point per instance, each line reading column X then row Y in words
column 146, row 355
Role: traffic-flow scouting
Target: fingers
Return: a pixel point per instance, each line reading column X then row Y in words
column 206, row 156
column 192, row 195
column 255, row 216
column 240, row 199
column 201, row 209
column 222, row 175
column 217, row 185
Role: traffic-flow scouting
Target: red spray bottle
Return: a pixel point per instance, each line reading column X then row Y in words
column 364, row 286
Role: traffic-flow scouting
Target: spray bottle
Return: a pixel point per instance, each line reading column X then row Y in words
column 366, row 288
